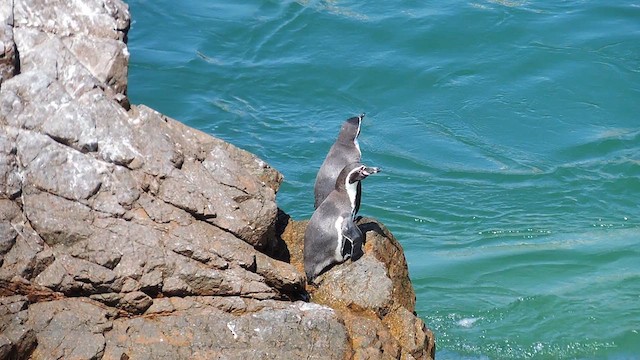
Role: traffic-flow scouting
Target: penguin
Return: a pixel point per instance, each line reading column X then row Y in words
column 344, row 151
column 332, row 236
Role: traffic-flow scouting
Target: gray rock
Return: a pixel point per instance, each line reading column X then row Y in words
column 8, row 55
column 212, row 180
column 10, row 181
column 57, row 169
column 28, row 254
column 362, row 285
column 280, row 275
column 100, row 18
column 40, row 52
column 381, row 244
column 88, row 48
column 8, row 235
column 73, row 276
column 115, row 201
column 106, row 59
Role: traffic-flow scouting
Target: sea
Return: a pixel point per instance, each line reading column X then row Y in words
column 508, row 132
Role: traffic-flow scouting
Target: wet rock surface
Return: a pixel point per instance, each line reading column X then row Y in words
column 149, row 239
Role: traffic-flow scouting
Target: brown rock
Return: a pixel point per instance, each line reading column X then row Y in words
column 59, row 324
column 411, row 333
column 385, row 247
column 373, row 295
column 370, row 338
column 292, row 234
column 280, row 274
column 135, row 302
column 192, row 329
column 17, row 339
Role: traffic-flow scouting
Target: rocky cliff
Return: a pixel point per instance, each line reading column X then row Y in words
column 127, row 235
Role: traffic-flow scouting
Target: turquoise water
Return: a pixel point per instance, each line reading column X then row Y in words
column 508, row 131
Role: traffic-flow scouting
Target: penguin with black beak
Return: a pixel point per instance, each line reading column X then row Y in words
column 332, row 235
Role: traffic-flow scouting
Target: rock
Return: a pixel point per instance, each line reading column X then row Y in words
column 385, row 247
column 374, row 296
column 9, row 176
column 81, row 163
column 56, row 169
column 195, row 328
column 360, row 286
column 411, row 333
column 8, row 55
column 71, row 276
column 280, row 274
column 16, row 337
column 88, row 49
column 8, row 235
column 370, row 338
column 27, row 255
column 145, row 238
column 178, row 329
column 210, row 179
column 59, row 324
column 135, row 302
column 101, row 18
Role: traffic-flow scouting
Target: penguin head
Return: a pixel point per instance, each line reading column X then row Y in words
column 353, row 173
column 350, row 129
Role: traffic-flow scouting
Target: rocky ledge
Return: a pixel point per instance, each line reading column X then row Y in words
column 127, row 235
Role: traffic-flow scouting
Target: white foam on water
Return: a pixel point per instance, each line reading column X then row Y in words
column 467, row 322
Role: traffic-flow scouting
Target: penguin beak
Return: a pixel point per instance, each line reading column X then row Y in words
column 370, row 170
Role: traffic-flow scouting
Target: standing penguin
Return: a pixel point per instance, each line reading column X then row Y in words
column 332, row 236
column 344, row 151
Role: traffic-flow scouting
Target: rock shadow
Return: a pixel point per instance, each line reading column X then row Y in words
column 280, row 251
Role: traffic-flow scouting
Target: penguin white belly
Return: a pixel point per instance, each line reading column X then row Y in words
column 339, row 241
column 352, row 192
